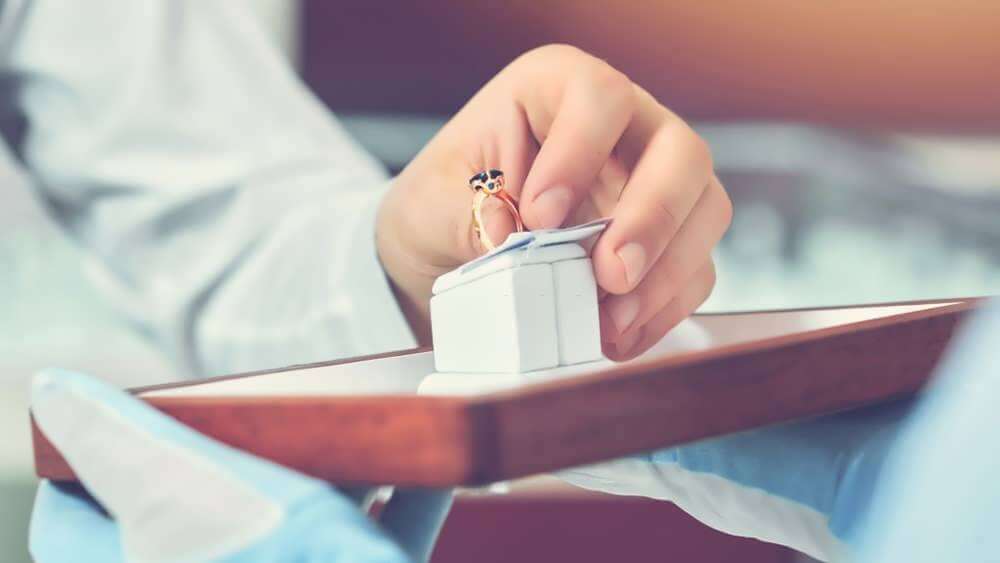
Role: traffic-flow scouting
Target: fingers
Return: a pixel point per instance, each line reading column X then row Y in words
column 498, row 223
column 426, row 226
column 512, row 151
column 668, row 216
column 577, row 140
column 642, row 337
column 688, row 251
column 670, row 177
column 596, row 106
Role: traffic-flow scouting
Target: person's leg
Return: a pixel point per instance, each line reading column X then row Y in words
column 939, row 494
column 414, row 518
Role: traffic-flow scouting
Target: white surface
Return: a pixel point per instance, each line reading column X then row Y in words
column 247, row 237
column 734, row 329
column 479, row 383
column 404, row 374
column 530, row 304
column 688, row 336
column 49, row 313
column 503, row 322
column 280, row 20
column 719, row 503
column 577, row 320
column 528, row 247
column 510, row 259
column 385, row 376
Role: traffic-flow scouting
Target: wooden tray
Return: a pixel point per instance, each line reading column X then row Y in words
column 360, row 421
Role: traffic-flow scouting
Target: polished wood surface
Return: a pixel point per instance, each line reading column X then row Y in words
column 441, row 441
column 920, row 64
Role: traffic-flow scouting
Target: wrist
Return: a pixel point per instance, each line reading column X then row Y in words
column 411, row 289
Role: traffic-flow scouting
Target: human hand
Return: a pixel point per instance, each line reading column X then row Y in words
column 167, row 493
column 576, row 140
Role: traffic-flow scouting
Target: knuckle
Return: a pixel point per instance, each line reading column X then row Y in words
column 727, row 208
column 701, row 152
column 554, row 52
column 668, row 285
column 671, row 286
column 668, row 222
column 711, row 276
column 613, row 85
column 707, row 285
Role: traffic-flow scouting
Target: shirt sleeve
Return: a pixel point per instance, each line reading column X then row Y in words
column 226, row 212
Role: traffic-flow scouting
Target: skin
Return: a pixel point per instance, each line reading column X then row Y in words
column 577, row 140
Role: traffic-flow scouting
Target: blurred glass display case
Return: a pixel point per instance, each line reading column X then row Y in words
column 825, row 216
column 829, row 217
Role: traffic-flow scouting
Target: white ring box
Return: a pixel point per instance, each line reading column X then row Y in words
column 531, row 304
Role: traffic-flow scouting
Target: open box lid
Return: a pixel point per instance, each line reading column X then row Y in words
column 530, row 247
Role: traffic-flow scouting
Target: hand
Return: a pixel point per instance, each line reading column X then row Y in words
column 577, row 140
column 171, row 494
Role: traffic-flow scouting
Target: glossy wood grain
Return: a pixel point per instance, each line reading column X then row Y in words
column 438, row 441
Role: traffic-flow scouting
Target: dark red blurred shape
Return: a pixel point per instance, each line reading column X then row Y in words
column 588, row 528
column 915, row 64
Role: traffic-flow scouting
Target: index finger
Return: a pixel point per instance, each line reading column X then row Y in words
column 668, row 180
column 590, row 116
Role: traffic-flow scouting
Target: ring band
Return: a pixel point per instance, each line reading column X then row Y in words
column 490, row 184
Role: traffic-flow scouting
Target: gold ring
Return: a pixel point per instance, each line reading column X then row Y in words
column 490, row 184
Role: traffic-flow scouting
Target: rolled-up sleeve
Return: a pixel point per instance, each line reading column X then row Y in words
column 227, row 213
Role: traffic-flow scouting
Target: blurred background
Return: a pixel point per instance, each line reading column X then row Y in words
column 855, row 139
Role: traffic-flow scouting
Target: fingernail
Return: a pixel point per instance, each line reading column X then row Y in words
column 552, row 206
column 623, row 310
column 633, row 257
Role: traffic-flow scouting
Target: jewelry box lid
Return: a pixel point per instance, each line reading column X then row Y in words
column 529, row 247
